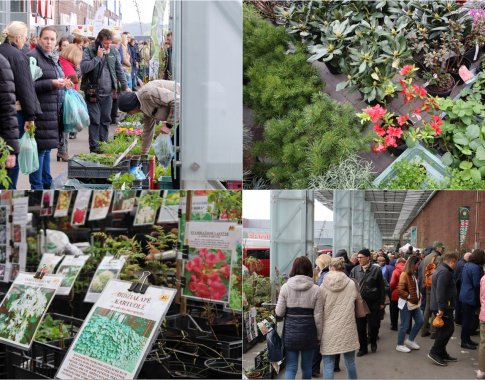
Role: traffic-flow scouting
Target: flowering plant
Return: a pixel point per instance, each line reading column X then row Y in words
column 129, row 131
column 208, row 274
column 478, row 31
column 390, row 128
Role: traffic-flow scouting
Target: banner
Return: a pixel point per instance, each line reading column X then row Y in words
column 125, row 325
column 464, row 220
column 23, row 308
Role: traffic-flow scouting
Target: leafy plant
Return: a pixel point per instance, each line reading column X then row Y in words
column 122, row 180
column 52, row 329
column 4, row 153
column 227, row 204
column 409, row 176
column 102, row 159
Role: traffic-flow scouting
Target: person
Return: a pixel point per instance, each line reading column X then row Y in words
column 442, row 303
column 165, row 58
column 63, row 43
column 469, row 296
column 135, row 61
column 373, row 291
column 457, row 277
column 393, row 287
column 409, row 305
column 126, row 59
column 300, row 303
column 33, row 42
column 78, row 41
column 158, row 100
column 322, row 263
column 69, row 59
column 114, row 107
column 27, row 105
column 339, row 334
column 481, row 350
column 348, row 264
column 50, row 92
column 144, row 60
column 433, row 257
column 101, row 67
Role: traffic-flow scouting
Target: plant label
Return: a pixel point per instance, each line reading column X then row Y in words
column 70, row 269
column 108, row 269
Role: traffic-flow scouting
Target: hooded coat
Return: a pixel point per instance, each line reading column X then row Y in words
column 301, row 304
column 339, row 334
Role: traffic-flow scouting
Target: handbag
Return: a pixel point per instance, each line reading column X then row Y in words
column 361, row 308
column 412, row 306
column 438, row 322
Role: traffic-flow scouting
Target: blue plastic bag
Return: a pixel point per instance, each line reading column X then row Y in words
column 75, row 112
column 28, row 155
column 276, row 348
column 163, row 149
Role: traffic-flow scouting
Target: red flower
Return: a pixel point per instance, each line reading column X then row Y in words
column 408, row 96
column 379, row 130
column 406, row 69
column 417, row 110
column 390, row 141
column 436, row 128
column 394, row 132
column 376, row 112
column 379, row 148
column 420, row 91
column 401, row 120
column 437, row 120
column 195, row 265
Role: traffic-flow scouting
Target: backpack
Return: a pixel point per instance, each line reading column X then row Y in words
column 428, row 273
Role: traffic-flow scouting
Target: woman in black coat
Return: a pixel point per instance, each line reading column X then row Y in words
column 27, row 105
column 8, row 118
column 50, row 92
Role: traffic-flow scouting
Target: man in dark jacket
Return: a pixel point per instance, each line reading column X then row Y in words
column 8, row 115
column 373, row 290
column 457, row 277
column 443, row 299
column 101, row 70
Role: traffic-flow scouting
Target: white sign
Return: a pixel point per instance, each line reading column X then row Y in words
column 70, row 269
column 108, row 269
column 125, row 325
column 100, row 204
column 50, row 260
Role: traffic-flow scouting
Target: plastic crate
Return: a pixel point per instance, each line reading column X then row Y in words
column 185, row 322
column 229, row 347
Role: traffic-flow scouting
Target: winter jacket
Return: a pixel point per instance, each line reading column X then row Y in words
column 458, row 271
column 371, row 283
column 8, row 114
column 396, row 275
column 69, row 69
column 300, row 303
column 158, row 102
column 48, row 125
column 387, row 272
column 470, row 284
column 111, row 74
column 428, row 259
column 339, row 335
column 24, row 85
column 407, row 288
column 126, row 59
column 482, row 299
column 322, row 275
column 443, row 289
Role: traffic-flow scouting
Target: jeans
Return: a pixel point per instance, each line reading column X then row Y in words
column 128, row 79
column 443, row 334
column 292, row 364
column 41, row 179
column 100, row 119
column 406, row 316
column 467, row 321
column 329, row 362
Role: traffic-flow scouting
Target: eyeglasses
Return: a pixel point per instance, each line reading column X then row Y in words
column 361, row 257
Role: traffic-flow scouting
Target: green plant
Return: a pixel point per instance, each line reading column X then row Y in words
column 227, row 204
column 98, row 158
column 151, row 199
column 4, row 153
column 464, row 181
column 409, row 176
column 161, row 171
column 350, row 173
column 122, row 180
column 52, row 329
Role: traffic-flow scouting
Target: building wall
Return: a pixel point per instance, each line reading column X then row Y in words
column 84, row 11
column 439, row 220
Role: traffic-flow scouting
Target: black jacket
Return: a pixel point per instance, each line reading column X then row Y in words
column 443, row 289
column 24, row 85
column 9, row 130
column 49, row 125
column 371, row 283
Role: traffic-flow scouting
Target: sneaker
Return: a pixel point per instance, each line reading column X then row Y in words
column 448, row 358
column 412, row 344
column 435, row 358
column 402, row 348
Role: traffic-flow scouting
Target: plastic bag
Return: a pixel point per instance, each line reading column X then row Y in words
column 28, row 154
column 75, row 112
column 35, row 70
column 276, row 349
column 163, row 149
column 54, row 241
column 138, row 172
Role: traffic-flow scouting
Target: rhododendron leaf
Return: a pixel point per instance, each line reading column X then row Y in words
column 375, row 76
column 447, row 159
column 472, row 131
column 340, row 86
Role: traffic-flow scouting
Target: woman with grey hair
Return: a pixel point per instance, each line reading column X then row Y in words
column 339, row 335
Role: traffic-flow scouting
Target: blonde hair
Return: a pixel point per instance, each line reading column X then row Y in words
column 72, row 53
column 124, row 39
column 16, row 29
column 116, row 38
column 338, row 264
column 323, row 260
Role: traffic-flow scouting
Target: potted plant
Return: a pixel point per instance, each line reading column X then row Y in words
column 394, row 130
column 4, row 153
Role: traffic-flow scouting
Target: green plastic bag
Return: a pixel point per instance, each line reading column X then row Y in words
column 35, row 70
column 75, row 112
column 28, row 155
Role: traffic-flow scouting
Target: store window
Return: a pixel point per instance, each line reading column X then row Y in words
column 18, row 6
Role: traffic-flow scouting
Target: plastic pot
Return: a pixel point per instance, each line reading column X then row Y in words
column 224, row 368
column 470, row 54
column 441, row 92
column 335, row 70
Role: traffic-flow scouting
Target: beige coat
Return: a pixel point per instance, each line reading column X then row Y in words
column 339, row 293
column 159, row 101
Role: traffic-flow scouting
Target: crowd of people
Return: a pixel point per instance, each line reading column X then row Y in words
column 107, row 70
column 337, row 308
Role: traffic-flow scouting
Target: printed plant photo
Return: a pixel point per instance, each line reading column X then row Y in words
column 3, row 234
column 145, row 215
column 235, row 295
column 69, row 272
column 14, row 271
column 63, row 202
column 120, row 338
column 123, row 200
column 14, row 254
column 3, row 215
column 101, row 278
column 207, row 274
column 17, row 233
column 3, row 253
column 2, row 272
column 21, row 312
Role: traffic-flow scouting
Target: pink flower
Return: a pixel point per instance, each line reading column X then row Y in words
column 406, row 70
column 417, row 110
column 390, row 141
column 394, row 132
column 379, row 130
column 437, row 119
column 420, row 91
column 401, row 120
column 379, row 148
column 376, row 112
column 436, row 128
column 195, row 265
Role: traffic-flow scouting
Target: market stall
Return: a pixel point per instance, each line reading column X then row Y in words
column 120, row 284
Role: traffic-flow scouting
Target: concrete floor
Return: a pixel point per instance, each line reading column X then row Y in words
column 387, row 363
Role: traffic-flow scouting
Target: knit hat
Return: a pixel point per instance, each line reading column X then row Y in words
column 128, row 101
